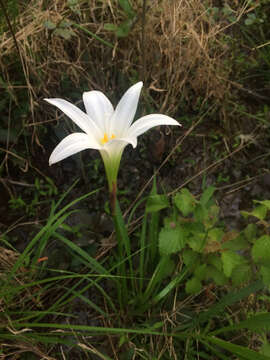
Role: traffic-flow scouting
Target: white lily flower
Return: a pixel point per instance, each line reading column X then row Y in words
column 104, row 128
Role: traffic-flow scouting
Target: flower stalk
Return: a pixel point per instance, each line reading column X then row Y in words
column 109, row 131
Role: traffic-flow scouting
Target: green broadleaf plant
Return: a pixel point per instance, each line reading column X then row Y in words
column 210, row 252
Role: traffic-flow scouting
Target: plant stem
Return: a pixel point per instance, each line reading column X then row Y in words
column 112, row 200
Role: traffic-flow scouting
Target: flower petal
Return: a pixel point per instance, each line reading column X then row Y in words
column 72, row 144
column 147, row 122
column 115, row 146
column 99, row 108
column 125, row 110
column 78, row 116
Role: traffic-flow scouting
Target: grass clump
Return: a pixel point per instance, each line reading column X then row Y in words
column 169, row 290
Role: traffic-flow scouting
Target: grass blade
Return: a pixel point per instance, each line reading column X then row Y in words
column 238, row 350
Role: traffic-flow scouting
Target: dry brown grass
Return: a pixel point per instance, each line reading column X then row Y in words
column 183, row 54
column 186, row 55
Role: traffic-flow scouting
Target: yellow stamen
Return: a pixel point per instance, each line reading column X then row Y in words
column 106, row 139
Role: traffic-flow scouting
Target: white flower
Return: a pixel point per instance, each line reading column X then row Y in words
column 105, row 129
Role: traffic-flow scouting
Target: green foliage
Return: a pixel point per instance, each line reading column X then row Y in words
column 190, row 250
column 171, row 240
column 41, row 192
column 193, row 285
column 185, row 202
column 230, row 260
column 209, row 252
column 193, row 233
column 265, row 273
column 63, row 29
column 240, row 351
column 261, row 250
column 265, row 349
column 122, row 30
column 16, row 295
column 156, row 202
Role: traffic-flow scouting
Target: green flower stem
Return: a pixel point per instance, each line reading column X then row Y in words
column 123, row 245
column 142, row 253
column 113, row 198
column 111, row 165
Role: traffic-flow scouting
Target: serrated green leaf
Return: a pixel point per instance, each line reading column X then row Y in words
column 216, row 275
column 230, row 260
column 171, row 240
column 207, row 195
column 260, row 212
column 241, row 274
column 265, row 273
column 264, row 202
column 200, row 213
column 238, row 243
column 212, row 218
column 185, row 202
column 215, row 260
column 200, row 272
column 261, row 250
column 156, row 203
column 193, row 286
column 215, row 234
column 189, row 257
column 192, row 226
column 197, row 242
column 245, row 214
column 251, row 232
